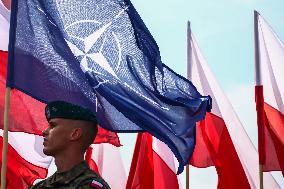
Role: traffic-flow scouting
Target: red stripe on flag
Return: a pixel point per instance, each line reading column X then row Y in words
column 141, row 173
column 105, row 136
column 7, row 4
column 218, row 149
column 164, row 177
column 274, row 139
column 260, row 123
column 271, row 134
column 20, row 173
column 90, row 161
column 148, row 170
column 3, row 61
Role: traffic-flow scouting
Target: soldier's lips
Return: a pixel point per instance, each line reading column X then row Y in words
column 44, row 141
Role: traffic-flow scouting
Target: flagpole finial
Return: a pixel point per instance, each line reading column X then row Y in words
column 188, row 29
column 188, row 25
column 256, row 13
column 189, row 55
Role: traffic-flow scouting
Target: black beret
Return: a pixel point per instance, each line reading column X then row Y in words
column 61, row 109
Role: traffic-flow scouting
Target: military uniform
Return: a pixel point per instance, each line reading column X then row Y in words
column 79, row 177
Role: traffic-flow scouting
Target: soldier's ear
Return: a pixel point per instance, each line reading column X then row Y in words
column 76, row 133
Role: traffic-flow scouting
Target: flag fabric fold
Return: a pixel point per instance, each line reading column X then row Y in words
column 221, row 140
column 105, row 160
column 269, row 95
column 153, row 165
column 99, row 54
column 26, row 162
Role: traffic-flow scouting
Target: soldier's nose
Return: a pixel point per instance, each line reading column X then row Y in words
column 45, row 132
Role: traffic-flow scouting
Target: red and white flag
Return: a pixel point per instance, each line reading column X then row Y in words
column 269, row 93
column 153, row 165
column 221, row 140
column 105, row 159
column 26, row 162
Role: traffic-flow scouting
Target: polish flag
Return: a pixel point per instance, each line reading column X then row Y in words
column 105, row 160
column 26, row 163
column 269, row 93
column 153, row 165
column 221, row 140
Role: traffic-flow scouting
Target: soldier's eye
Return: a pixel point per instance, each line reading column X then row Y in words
column 52, row 125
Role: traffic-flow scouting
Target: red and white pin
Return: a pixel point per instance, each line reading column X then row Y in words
column 96, row 184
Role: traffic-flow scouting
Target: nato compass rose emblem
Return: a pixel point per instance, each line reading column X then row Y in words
column 100, row 51
column 85, row 53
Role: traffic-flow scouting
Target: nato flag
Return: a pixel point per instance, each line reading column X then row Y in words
column 99, row 54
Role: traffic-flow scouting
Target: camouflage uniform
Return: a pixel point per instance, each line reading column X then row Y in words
column 79, row 177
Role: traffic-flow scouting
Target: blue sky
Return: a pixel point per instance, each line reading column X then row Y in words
column 224, row 32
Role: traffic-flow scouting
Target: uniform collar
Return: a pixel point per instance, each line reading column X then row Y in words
column 68, row 176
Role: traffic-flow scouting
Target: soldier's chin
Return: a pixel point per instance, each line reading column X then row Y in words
column 47, row 152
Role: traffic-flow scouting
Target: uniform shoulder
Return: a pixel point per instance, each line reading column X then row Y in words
column 94, row 183
column 38, row 185
column 91, row 180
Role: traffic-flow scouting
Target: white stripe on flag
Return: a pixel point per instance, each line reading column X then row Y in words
column 29, row 147
column 108, row 159
column 165, row 154
column 272, row 65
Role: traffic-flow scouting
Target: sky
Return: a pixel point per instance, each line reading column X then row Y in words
column 224, row 33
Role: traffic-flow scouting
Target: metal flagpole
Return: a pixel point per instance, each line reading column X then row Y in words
column 258, row 82
column 5, row 138
column 188, row 77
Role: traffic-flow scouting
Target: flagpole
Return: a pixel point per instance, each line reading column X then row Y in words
column 5, row 138
column 189, row 72
column 188, row 77
column 12, row 33
column 187, row 177
column 261, row 175
column 259, row 114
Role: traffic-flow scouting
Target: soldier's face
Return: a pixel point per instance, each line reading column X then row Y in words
column 56, row 136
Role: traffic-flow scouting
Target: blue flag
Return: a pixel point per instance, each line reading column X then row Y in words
column 99, row 54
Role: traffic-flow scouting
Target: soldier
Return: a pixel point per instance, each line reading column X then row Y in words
column 71, row 131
